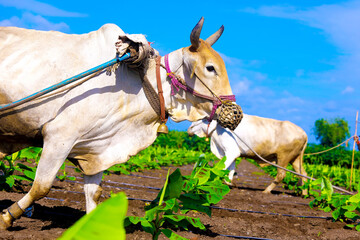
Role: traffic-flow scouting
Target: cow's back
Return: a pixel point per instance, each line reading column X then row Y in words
column 267, row 135
column 32, row 60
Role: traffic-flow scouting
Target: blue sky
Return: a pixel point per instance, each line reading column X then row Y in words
column 287, row 60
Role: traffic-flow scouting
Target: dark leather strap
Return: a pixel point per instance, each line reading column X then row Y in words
column 150, row 93
column 163, row 115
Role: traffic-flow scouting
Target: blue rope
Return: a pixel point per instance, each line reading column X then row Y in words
column 65, row 82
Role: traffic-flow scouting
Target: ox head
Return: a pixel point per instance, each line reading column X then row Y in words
column 203, row 69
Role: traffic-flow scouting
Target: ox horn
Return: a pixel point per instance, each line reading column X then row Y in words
column 213, row 38
column 195, row 34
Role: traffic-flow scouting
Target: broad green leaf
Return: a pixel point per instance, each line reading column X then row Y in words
column 171, row 235
column 357, row 227
column 168, row 204
column 30, row 174
column 175, row 218
column 147, row 226
column 336, row 214
column 350, row 207
column 203, row 175
column 132, row 220
column 221, row 164
column 355, row 198
column 30, row 153
column 189, row 185
column 104, row 222
column 192, row 205
column 24, row 167
column 220, row 189
column 220, row 173
column 23, row 178
column 176, row 183
column 150, row 214
column 351, row 215
column 195, row 197
column 213, row 198
column 327, row 209
column 163, row 190
column 339, row 200
column 71, row 178
column 10, row 181
column 326, row 188
column 317, row 182
column 14, row 156
column 195, row 222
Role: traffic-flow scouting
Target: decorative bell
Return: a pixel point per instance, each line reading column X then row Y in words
column 206, row 139
column 163, row 128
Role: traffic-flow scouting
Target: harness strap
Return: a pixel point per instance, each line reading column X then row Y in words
column 150, row 93
column 163, row 115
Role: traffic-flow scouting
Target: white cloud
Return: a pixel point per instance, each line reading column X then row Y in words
column 340, row 23
column 31, row 21
column 348, row 89
column 41, row 8
column 241, row 87
column 290, row 101
column 231, row 60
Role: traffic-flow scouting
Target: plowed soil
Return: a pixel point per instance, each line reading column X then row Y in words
column 244, row 213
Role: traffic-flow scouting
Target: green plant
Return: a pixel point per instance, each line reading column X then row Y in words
column 63, row 174
column 180, row 195
column 290, row 180
column 344, row 208
column 155, row 157
column 339, row 176
column 180, row 139
column 12, row 173
column 106, row 221
column 336, row 157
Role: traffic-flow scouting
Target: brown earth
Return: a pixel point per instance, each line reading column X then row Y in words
column 244, row 213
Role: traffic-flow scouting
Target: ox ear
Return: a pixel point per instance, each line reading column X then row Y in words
column 195, row 34
column 213, row 38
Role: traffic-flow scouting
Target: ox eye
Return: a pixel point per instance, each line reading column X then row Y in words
column 210, row 68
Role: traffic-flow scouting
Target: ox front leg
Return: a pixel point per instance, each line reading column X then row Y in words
column 231, row 168
column 92, row 190
column 52, row 157
column 230, row 165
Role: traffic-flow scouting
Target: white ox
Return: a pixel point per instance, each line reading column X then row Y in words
column 101, row 122
column 277, row 141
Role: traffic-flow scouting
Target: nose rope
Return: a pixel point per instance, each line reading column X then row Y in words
column 178, row 83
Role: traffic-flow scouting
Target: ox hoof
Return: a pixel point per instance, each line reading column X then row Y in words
column 230, row 184
column 4, row 224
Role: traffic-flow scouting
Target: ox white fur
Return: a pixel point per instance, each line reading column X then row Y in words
column 279, row 141
column 103, row 121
